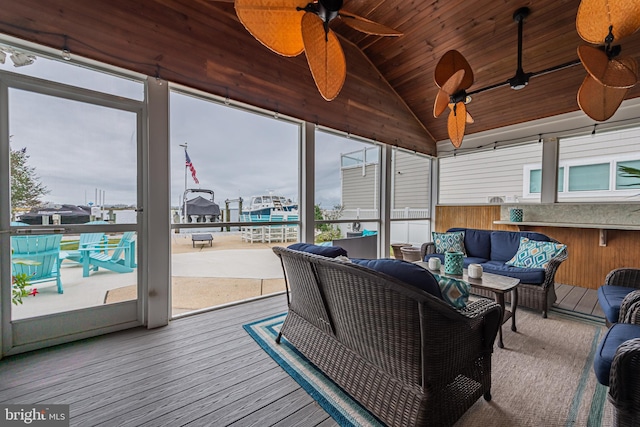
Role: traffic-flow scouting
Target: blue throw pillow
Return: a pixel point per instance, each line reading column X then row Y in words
column 405, row 271
column 328, row 251
column 454, row 291
column 535, row 254
column 366, row 232
column 449, row 242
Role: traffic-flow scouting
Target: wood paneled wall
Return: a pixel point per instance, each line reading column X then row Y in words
column 201, row 44
column 588, row 263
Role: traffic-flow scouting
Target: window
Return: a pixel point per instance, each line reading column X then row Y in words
column 589, row 177
column 592, row 162
column 347, row 186
column 410, row 197
column 623, row 182
column 535, row 181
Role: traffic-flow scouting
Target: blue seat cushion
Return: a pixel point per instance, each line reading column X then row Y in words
column 405, row 271
column 477, row 243
column 610, row 298
column 327, row 251
column 504, row 244
column 616, row 335
column 532, row 276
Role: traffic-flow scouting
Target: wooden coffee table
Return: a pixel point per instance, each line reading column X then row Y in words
column 495, row 283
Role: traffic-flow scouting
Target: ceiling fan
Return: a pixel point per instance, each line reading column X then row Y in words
column 453, row 62
column 609, row 76
column 289, row 27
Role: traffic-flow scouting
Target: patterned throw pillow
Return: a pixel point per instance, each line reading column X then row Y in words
column 453, row 242
column 454, row 291
column 535, row 254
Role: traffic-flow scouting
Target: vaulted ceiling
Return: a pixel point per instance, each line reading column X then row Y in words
column 389, row 91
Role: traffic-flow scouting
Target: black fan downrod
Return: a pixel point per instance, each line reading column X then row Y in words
column 521, row 79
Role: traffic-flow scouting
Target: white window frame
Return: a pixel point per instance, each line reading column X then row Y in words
column 612, row 192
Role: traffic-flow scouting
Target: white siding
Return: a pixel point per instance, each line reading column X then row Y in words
column 360, row 191
column 473, row 178
column 602, row 144
column 410, row 181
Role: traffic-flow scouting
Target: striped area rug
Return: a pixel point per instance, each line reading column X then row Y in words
column 543, row 377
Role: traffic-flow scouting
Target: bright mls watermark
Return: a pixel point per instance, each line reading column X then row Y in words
column 34, row 415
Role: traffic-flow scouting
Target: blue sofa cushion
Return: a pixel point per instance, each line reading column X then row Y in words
column 616, row 335
column 504, row 244
column 533, row 276
column 466, row 260
column 610, row 297
column 405, row 271
column 328, row 251
column 477, row 243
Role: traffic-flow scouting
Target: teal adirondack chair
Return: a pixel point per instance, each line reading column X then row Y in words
column 38, row 257
column 86, row 240
column 121, row 260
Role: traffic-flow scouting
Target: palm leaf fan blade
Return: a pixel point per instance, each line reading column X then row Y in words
column 616, row 72
column 450, row 63
column 324, row 55
column 366, row 26
column 448, row 88
column 594, row 18
column 274, row 23
column 442, row 100
column 456, row 123
column 598, row 101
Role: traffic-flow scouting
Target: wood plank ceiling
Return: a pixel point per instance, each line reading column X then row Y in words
column 389, row 92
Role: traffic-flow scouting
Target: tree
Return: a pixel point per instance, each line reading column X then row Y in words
column 26, row 188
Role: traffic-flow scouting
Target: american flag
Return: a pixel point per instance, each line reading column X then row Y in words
column 191, row 168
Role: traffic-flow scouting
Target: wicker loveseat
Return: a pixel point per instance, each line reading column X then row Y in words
column 407, row 356
column 492, row 249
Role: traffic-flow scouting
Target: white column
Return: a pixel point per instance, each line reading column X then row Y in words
column 307, row 182
column 156, row 281
column 385, row 201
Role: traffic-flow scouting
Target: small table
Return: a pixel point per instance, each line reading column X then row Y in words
column 495, row 283
column 202, row 238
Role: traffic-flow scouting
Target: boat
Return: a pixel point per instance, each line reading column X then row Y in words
column 266, row 205
column 69, row 214
column 198, row 208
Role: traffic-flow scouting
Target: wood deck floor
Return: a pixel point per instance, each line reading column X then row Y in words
column 203, row 370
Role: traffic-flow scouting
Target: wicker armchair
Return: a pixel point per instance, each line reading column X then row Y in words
column 617, row 365
column 405, row 355
column 619, row 285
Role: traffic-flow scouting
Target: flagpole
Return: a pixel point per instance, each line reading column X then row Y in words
column 184, row 195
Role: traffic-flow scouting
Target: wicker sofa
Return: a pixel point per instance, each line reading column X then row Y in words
column 492, row 248
column 406, row 355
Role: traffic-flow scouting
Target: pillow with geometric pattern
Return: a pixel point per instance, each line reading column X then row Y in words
column 454, row 291
column 535, row 254
column 449, row 242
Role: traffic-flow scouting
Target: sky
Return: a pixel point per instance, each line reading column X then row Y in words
column 78, row 149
